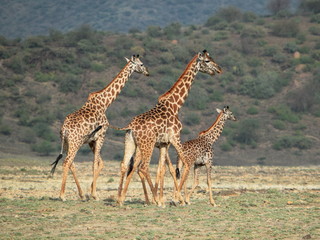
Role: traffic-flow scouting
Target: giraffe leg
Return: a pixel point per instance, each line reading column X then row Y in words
column 128, row 179
column 160, row 175
column 144, row 169
column 209, row 168
column 142, row 178
column 66, row 166
column 130, row 148
column 195, row 183
column 173, row 174
column 97, row 164
column 73, row 170
column 177, row 145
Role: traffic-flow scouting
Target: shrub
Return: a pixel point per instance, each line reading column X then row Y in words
column 230, row 14
column 291, row 47
column 45, row 77
column 249, row 17
column 16, row 64
column 215, row 95
column 191, row 119
column 298, row 141
column 173, row 30
column 44, row 148
column 279, row 124
column 154, row 31
column 315, row 30
column 315, row 18
column 252, row 110
column 197, row 99
column 5, row 129
column 285, row 28
column 247, row 132
column 284, row 113
column 276, row 6
column 226, row 147
column 70, row 83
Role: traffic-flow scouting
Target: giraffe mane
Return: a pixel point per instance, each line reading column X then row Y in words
column 112, row 79
column 213, row 125
column 178, row 81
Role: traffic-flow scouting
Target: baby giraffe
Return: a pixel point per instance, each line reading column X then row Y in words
column 199, row 152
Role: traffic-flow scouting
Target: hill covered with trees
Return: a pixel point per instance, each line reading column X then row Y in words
column 271, row 82
column 21, row 18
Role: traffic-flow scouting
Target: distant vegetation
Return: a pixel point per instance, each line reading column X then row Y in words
column 271, row 81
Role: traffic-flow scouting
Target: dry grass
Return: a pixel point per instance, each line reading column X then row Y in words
column 254, row 203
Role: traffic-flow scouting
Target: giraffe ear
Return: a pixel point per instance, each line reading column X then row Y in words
column 218, row 110
column 126, row 59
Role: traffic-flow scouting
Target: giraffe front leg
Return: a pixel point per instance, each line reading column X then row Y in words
column 73, row 170
column 209, row 168
column 66, row 166
column 194, row 185
column 97, row 165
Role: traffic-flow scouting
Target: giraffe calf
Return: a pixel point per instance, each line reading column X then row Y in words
column 199, row 152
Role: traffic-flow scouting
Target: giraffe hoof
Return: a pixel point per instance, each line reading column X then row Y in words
column 96, row 198
column 63, row 199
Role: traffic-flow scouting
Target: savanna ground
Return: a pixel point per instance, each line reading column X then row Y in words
column 253, row 203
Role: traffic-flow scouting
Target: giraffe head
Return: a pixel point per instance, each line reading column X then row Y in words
column 207, row 64
column 138, row 65
column 227, row 114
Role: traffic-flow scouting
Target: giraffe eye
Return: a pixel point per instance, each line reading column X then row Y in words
column 207, row 61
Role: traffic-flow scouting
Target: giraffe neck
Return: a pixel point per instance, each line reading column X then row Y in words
column 179, row 91
column 107, row 95
column 213, row 133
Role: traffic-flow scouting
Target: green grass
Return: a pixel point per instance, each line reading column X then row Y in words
column 267, row 214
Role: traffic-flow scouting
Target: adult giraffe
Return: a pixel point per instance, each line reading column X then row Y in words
column 160, row 126
column 89, row 125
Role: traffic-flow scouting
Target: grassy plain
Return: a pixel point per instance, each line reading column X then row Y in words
column 253, row 203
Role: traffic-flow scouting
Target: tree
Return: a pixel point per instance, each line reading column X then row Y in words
column 275, row 6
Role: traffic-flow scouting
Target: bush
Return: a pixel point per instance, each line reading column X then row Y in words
column 230, row 14
column 315, row 30
column 279, row 124
column 315, row 18
column 191, row 119
column 70, row 83
column 44, row 148
column 291, row 47
column 285, row 142
column 249, row 17
column 252, row 110
column 5, row 129
column 197, row 99
column 247, row 132
column 285, row 28
column 284, row 113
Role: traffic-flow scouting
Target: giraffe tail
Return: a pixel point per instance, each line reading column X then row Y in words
column 94, row 132
column 177, row 173
column 54, row 164
column 130, row 166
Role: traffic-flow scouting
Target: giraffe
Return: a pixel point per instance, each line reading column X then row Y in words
column 89, row 125
column 199, row 152
column 159, row 126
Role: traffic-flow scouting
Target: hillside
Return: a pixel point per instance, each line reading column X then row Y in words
column 39, row 17
column 271, row 81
